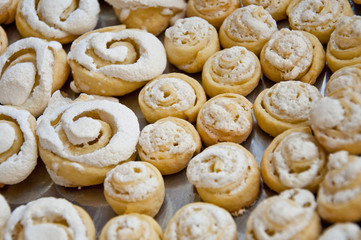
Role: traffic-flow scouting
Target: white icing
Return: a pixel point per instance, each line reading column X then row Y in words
column 82, row 131
column 327, row 113
column 124, row 227
column 271, row 6
column 346, row 35
column 4, row 213
column 134, row 4
column 342, row 231
column 344, row 77
column 7, row 137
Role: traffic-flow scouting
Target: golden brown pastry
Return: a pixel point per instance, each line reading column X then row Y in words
column 344, row 77
column 357, row 1
column 342, row 231
column 277, row 8
column 5, row 212
column 3, row 40
column 8, row 11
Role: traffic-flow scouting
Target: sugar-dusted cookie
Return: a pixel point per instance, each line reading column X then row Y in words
column 344, row 77
column 277, row 8
column 342, row 231
column 8, row 11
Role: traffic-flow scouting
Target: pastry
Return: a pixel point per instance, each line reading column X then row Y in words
column 8, row 11
column 61, row 21
column 277, row 8
column 285, row 105
column 5, row 212
column 190, row 42
column 112, row 61
column 213, row 11
column 290, row 215
column 339, row 195
column 292, row 55
column 357, row 1
column 344, row 47
column 80, row 141
column 227, row 175
column 3, row 40
column 173, row 94
column 344, row 77
column 134, row 187
column 31, row 70
column 131, row 226
column 153, row 16
column 201, row 221
column 232, row 70
column 18, row 145
column 250, row 27
column 169, row 144
column 48, row 217
column 294, row 159
column 318, row 17
column 342, row 231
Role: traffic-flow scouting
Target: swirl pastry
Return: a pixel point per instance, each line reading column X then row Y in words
column 284, row 106
column 112, row 61
column 227, row 175
column 134, row 187
column 344, row 77
column 342, row 231
column 169, row 144
column 8, row 11
column 344, row 47
column 61, row 21
column 82, row 140
column 201, row 221
column 290, row 215
column 339, row 195
column 173, row 94
column 318, row 17
column 190, row 42
column 45, row 218
column 3, row 40
column 294, row 159
column 232, row 70
column 250, row 27
column 277, row 8
column 5, row 212
column 292, row 55
column 18, row 145
column 213, row 11
column 31, row 70
column 131, row 226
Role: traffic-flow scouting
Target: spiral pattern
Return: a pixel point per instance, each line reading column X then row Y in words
column 344, row 77
column 342, row 231
column 277, row 8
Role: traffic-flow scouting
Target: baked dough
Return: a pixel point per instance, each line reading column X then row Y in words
column 134, row 187
column 60, row 21
column 292, row 55
column 201, row 221
column 5, row 212
column 344, row 77
column 190, row 42
column 173, row 94
column 357, row 1
column 227, row 175
column 250, row 27
column 284, row 106
column 169, row 144
column 8, row 11
column 3, row 40
column 342, row 231
column 277, row 8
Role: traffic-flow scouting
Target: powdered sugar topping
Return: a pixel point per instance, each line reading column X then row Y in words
column 342, row 231
column 126, row 226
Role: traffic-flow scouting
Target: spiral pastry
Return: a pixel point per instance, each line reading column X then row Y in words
column 292, row 55
column 131, row 226
column 227, row 175
column 5, row 212
column 344, row 77
column 82, row 140
column 342, row 231
column 277, row 8
column 169, row 144
column 190, row 42
column 250, row 27
column 134, row 187
column 201, row 221
column 8, row 11
column 3, row 40
column 318, row 17
column 284, row 106
column 232, row 70
column 61, row 21
column 173, row 94
column 339, row 195
column 290, row 215
column 344, row 47
column 45, row 218
column 112, row 61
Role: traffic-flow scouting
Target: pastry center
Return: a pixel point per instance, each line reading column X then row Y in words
column 7, row 137
column 83, row 130
column 46, row 231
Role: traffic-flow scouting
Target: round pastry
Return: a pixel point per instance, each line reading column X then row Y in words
column 31, row 70
column 169, row 144
column 81, row 141
column 277, row 8
column 292, row 55
column 227, row 175
column 3, row 40
column 290, row 215
column 250, row 27
column 294, row 159
column 173, row 94
column 5, row 212
column 18, row 145
column 153, row 16
column 232, row 70
column 344, row 47
column 45, row 218
column 318, row 17
column 190, row 42
column 225, row 118
column 134, row 187
column 131, row 226
column 213, row 11
column 201, row 221
column 284, row 106
column 342, row 231
column 8, row 11
column 344, row 77
column 60, row 21
column 339, row 195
